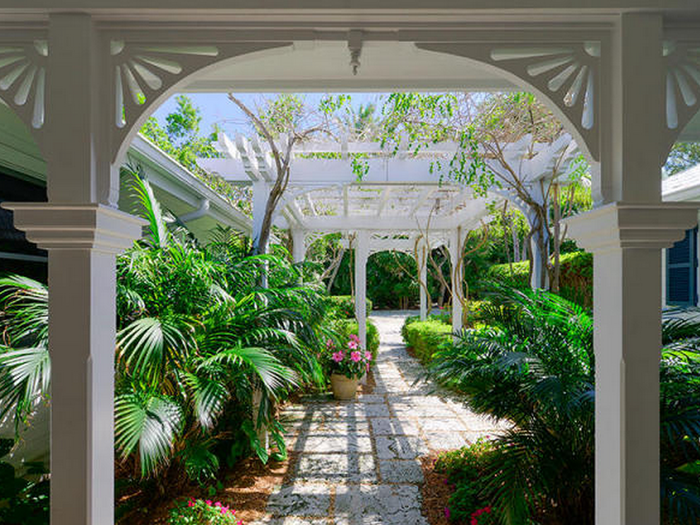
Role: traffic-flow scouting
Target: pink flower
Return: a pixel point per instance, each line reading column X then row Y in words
column 355, row 357
column 190, row 503
column 208, row 502
column 338, row 356
column 368, row 356
column 217, row 504
column 447, row 512
column 330, row 344
column 352, row 345
column 354, row 337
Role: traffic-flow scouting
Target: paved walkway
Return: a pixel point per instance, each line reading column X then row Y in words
column 357, row 462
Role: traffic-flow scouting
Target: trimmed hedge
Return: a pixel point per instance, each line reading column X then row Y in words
column 445, row 316
column 343, row 306
column 345, row 327
column 576, row 280
column 424, row 337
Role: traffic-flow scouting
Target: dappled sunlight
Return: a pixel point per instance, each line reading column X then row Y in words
column 358, row 461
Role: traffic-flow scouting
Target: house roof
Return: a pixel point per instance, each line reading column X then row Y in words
column 684, row 186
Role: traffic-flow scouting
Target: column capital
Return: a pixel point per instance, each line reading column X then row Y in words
column 76, row 226
column 621, row 225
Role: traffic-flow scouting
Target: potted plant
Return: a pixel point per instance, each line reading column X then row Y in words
column 347, row 366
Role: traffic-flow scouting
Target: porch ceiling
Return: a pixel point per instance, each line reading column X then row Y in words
column 324, row 66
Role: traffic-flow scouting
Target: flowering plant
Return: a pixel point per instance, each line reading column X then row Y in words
column 202, row 512
column 349, row 359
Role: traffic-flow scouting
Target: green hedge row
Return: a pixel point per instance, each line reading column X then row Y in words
column 576, row 280
column 424, row 337
column 345, row 327
column 343, row 306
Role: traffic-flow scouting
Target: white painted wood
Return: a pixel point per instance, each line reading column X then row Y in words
column 82, row 241
column 457, row 272
column 298, row 245
column 361, row 256
column 626, row 242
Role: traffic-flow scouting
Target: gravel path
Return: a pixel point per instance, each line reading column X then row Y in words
column 358, row 461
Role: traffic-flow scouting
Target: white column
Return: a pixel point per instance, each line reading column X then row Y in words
column 626, row 242
column 457, row 278
column 361, row 257
column 261, row 193
column 82, row 241
column 298, row 245
column 423, row 282
column 626, row 236
column 82, row 234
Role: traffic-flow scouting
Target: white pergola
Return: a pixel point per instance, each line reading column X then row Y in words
column 622, row 75
column 399, row 204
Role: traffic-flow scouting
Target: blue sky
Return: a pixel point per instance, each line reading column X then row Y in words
column 216, row 108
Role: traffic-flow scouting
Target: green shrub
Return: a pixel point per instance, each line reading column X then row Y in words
column 575, row 281
column 425, row 337
column 464, row 469
column 22, row 501
column 202, row 512
column 343, row 306
column 345, row 327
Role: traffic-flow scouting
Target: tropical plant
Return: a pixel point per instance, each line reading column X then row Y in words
column 202, row 512
column 197, row 340
column 534, row 366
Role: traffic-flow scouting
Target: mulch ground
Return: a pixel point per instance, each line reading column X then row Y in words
column 436, row 493
column 246, row 488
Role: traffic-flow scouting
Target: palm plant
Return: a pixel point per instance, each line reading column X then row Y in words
column 533, row 365
column 196, row 337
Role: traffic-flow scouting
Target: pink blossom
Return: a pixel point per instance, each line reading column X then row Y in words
column 447, row 512
column 368, row 356
column 354, row 337
column 352, row 345
column 338, row 356
column 208, row 502
column 330, row 344
column 190, row 503
column 355, row 357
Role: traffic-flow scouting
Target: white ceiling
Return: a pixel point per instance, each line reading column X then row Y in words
column 325, row 66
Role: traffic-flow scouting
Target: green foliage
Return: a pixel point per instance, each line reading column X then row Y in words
column 182, row 139
column 576, row 279
column 683, row 155
column 534, row 367
column 426, row 337
column 463, row 469
column 196, row 338
column 343, row 306
column 344, row 328
column 23, row 501
column 202, row 512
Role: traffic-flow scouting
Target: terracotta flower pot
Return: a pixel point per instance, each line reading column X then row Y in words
column 343, row 387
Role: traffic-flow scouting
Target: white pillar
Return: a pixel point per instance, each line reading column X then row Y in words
column 361, row 257
column 626, row 236
column 261, row 193
column 423, row 282
column 82, row 234
column 626, row 242
column 457, row 278
column 298, row 245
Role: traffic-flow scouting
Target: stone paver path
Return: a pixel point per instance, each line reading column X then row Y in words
column 358, row 461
